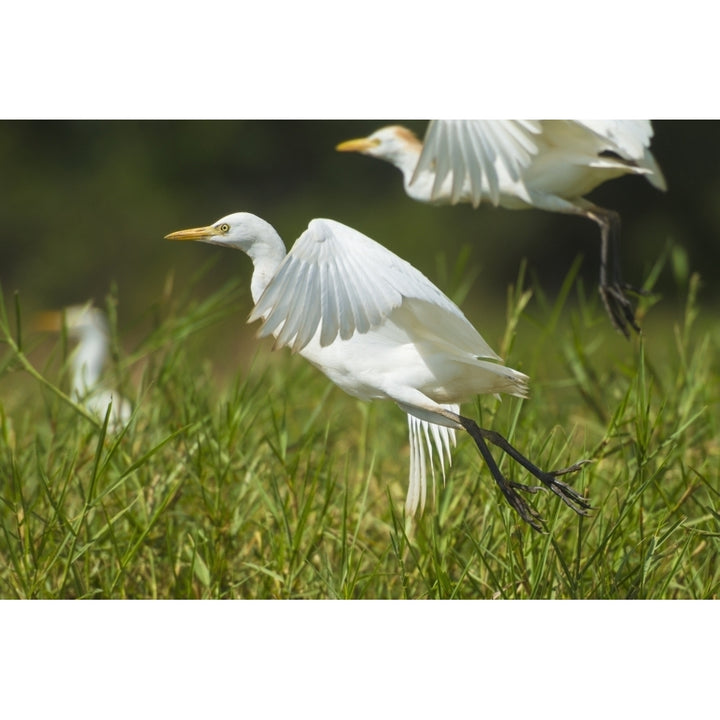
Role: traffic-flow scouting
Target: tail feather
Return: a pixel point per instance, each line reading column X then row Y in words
column 656, row 178
column 423, row 436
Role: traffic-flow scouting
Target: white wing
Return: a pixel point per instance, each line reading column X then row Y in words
column 631, row 140
column 473, row 151
column 629, row 137
column 340, row 280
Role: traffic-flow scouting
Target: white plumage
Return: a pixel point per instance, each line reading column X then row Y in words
column 546, row 164
column 379, row 329
column 88, row 326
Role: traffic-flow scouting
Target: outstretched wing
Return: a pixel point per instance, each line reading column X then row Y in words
column 339, row 280
column 474, row 151
column 628, row 138
column 631, row 140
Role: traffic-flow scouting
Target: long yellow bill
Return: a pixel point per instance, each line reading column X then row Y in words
column 357, row 145
column 47, row 321
column 201, row 233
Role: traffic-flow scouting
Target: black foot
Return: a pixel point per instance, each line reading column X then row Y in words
column 568, row 495
column 619, row 308
column 509, row 489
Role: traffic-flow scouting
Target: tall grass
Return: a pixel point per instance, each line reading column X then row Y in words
column 271, row 483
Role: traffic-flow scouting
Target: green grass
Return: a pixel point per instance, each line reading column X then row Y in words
column 267, row 482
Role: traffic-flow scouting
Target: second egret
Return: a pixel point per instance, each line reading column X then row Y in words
column 546, row 164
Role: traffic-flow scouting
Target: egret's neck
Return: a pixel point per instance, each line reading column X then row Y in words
column 88, row 360
column 405, row 162
column 417, row 187
column 267, row 251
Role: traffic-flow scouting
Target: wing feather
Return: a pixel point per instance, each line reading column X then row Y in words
column 339, row 281
column 454, row 331
column 330, row 311
column 359, row 308
column 295, row 314
column 631, row 140
column 442, row 161
column 311, row 319
column 628, row 138
column 476, row 152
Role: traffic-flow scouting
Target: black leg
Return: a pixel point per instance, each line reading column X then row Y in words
column 612, row 287
column 548, row 479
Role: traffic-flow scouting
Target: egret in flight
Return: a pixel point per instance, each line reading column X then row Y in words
column 88, row 326
column 379, row 329
column 546, row 164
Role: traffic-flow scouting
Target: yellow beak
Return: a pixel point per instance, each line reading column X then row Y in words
column 201, row 233
column 47, row 321
column 357, row 145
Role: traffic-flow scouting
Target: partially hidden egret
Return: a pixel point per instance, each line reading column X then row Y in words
column 89, row 327
column 379, row 329
column 546, row 164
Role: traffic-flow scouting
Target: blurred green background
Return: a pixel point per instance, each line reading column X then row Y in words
column 86, row 204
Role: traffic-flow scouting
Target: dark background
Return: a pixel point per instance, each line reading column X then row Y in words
column 86, row 204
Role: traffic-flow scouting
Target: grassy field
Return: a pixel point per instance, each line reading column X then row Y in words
column 268, row 482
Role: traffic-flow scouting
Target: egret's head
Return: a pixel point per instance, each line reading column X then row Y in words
column 246, row 232
column 386, row 143
column 242, row 231
column 79, row 320
column 238, row 230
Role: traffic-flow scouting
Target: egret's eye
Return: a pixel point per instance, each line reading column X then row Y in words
column 223, row 228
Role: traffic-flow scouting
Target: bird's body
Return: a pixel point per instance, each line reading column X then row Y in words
column 88, row 326
column 516, row 164
column 375, row 326
column 424, row 374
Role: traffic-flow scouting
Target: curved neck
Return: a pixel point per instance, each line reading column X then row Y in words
column 267, row 250
column 405, row 162
column 88, row 361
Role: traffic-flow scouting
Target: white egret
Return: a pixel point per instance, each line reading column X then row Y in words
column 379, row 329
column 546, row 164
column 88, row 326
